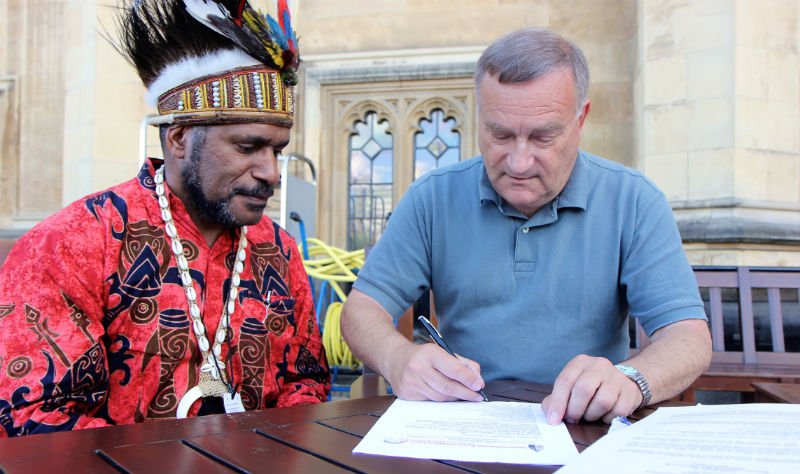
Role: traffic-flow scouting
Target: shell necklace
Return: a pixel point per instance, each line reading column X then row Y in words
column 213, row 381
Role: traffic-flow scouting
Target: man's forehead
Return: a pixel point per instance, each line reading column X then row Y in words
column 252, row 130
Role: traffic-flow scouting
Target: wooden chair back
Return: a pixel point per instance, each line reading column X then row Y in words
column 745, row 280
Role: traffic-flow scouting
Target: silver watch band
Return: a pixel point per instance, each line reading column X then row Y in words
column 633, row 374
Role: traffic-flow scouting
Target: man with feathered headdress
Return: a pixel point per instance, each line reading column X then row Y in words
column 172, row 294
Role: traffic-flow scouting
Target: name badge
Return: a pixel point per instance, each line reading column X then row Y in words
column 233, row 404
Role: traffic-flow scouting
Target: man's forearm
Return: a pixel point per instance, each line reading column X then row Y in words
column 370, row 332
column 676, row 356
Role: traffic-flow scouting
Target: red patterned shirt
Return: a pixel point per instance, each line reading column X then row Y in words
column 94, row 327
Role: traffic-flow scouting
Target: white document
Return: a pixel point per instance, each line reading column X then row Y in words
column 729, row 439
column 507, row 432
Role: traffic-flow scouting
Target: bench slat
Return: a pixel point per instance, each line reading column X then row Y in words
column 747, row 322
column 777, row 279
column 717, row 323
column 718, row 279
column 776, row 319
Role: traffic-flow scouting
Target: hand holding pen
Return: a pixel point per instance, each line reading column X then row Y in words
column 437, row 338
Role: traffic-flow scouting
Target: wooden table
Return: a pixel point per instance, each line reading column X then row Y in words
column 307, row 439
column 777, row 392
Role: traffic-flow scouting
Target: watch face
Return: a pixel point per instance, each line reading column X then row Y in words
column 626, row 370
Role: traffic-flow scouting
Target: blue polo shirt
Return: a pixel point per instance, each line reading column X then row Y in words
column 522, row 296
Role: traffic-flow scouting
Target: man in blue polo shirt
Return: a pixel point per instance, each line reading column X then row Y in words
column 537, row 252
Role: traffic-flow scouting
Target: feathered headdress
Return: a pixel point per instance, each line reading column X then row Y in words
column 212, row 61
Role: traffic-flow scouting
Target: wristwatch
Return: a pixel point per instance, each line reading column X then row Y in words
column 637, row 377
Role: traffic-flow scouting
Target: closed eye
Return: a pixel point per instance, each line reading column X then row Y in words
column 246, row 148
column 499, row 136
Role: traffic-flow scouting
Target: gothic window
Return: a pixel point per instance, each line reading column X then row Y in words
column 371, row 153
column 375, row 137
column 437, row 144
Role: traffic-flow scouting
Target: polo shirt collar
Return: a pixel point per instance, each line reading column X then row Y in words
column 575, row 194
column 485, row 189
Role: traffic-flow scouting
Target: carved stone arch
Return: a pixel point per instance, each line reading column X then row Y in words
column 424, row 109
column 358, row 111
column 400, row 104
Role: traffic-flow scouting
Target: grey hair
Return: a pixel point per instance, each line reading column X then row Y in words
column 529, row 54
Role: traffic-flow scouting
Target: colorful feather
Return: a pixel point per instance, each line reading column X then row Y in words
column 259, row 36
column 238, row 18
column 285, row 18
column 277, row 33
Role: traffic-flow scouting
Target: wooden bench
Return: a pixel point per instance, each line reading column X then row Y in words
column 767, row 392
column 740, row 357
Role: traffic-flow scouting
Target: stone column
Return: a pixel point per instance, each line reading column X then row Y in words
column 31, row 109
column 718, row 124
column 104, row 104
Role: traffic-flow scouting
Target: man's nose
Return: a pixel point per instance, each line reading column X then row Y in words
column 265, row 166
column 520, row 157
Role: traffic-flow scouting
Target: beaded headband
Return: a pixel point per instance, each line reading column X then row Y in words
column 247, row 94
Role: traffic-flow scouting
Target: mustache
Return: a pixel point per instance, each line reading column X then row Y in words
column 261, row 190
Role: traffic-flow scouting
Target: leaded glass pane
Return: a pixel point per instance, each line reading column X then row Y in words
column 371, row 181
column 382, row 167
column 436, row 144
column 360, row 167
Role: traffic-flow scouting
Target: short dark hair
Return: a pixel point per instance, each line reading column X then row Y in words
column 530, row 53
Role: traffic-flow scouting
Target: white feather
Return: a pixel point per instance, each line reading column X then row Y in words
column 201, row 10
column 193, row 67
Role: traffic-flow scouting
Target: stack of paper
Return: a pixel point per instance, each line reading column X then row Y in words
column 748, row 438
column 509, row 432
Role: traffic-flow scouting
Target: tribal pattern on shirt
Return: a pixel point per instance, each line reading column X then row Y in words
column 94, row 324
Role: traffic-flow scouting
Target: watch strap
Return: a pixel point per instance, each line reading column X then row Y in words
column 644, row 387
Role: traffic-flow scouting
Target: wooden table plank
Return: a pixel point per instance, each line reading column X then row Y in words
column 323, row 411
column 168, row 456
column 81, row 442
column 584, row 434
column 84, row 442
column 85, row 463
column 337, row 446
column 501, row 387
column 256, row 453
column 356, row 425
column 519, row 395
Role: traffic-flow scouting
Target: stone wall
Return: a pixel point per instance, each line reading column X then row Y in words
column 702, row 95
column 717, row 119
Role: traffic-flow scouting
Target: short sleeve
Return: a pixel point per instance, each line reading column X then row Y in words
column 659, row 282
column 398, row 269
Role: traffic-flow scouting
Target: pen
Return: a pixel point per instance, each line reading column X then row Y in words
column 618, row 423
column 437, row 338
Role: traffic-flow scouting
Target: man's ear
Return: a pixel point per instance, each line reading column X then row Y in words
column 584, row 113
column 176, row 141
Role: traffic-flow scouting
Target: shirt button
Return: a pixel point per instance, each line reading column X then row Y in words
column 525, row 230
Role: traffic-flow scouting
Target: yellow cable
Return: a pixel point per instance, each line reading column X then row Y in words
column 335, row 348
column 335, row 266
